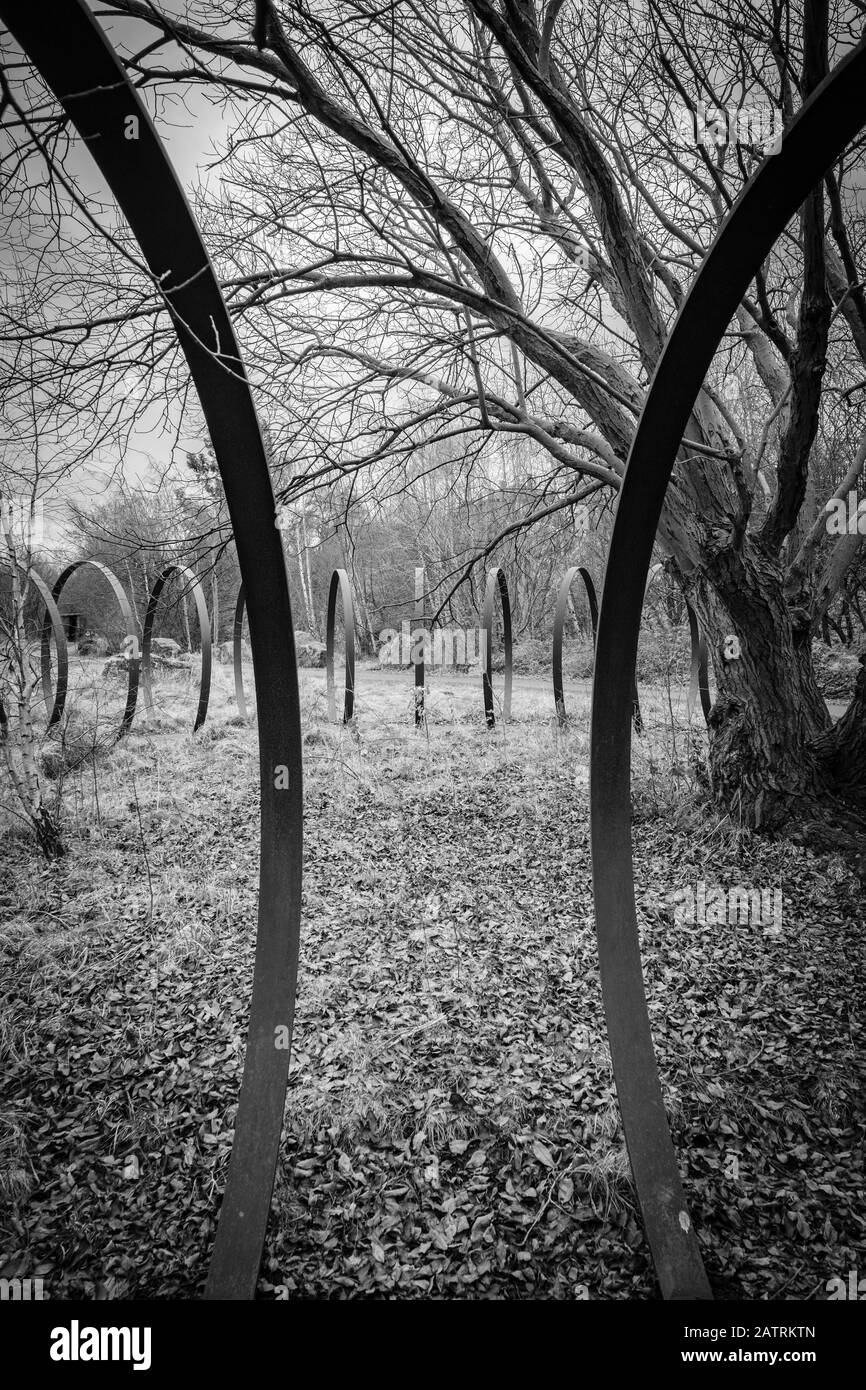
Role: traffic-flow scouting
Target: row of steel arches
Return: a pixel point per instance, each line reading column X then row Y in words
column 139, row 663
column 97, row 96
column 140, row 668
column 341, row 586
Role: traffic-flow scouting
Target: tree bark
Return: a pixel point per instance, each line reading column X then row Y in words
column 777, row 762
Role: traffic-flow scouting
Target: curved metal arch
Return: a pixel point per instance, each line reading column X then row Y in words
column 496, row 579
column 699, row 679
column 698, row 664
column 826, row 123
column 214, row 609
column 340, row 582
column 54, row 622
column 78, row 64
column 129, row 623
column 204, row 624
column 418, row 662
column 237, row 654
column 559, row 625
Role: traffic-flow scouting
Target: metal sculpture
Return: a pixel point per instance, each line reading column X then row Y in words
column 496, row 580
column 111, row 118
column 238, row 654
column 827, row 121
column 78, row 64
column 214, row 610
column 340, row 583
column 418, row 659
column 204, row 624
column 133, row 660
column 54, row 622
column 698, row 678
column 559, row 624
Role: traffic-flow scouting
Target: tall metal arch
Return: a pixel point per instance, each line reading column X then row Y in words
column 699, row 687
column 238, row 654
column 828, row 120
column 418, row 661
column 204, row 626
column 77, row 63
column 559, row 624
column 699, row 680
column 214, row 608
column 62, row 673
column 340, row 583
column 54, row 624
column 496, row 580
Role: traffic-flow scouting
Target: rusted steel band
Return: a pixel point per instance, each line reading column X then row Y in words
column 214, row 610
column 54, row 621
column 559, row 626
column 129, row 624
column 698, row 683
column 52, row 625
column 204, row 624
column 636, row 715
column 828, row 120
column 496, row 580
column 418, row 661
column 340, row 583
column 78, row 64
column 704, row 677
column 698, row 677
column 238, row 654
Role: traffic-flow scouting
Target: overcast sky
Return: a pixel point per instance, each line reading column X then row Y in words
column 190, row 126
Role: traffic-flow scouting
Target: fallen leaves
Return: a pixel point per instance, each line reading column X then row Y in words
column 451, row 1127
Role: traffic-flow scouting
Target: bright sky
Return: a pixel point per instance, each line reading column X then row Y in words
column 190, row 126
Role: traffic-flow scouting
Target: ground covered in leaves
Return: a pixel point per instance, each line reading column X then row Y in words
column 451, row 1127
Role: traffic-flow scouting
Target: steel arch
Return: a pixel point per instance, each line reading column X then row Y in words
column 214, row 609
column 559, row 624
column 134, row 661
column 54, row 623
column 237, row 653
column 61, row 646
column 78, row 64
column 698, row 677
column 340, row 582
column 828, row 120
column 418, row 663
column 496, row 579
column 204, row 623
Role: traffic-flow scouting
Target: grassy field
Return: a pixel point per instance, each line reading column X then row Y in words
column 451, row 1126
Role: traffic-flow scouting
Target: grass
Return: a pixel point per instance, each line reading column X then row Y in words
column 451, row 1126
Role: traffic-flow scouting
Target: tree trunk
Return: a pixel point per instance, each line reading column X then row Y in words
column 301, row 546
column 777, row 761
column 365, row 615
column 19, row 742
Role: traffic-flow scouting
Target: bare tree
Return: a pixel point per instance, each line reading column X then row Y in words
column 471, row 219
column 19, row 681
